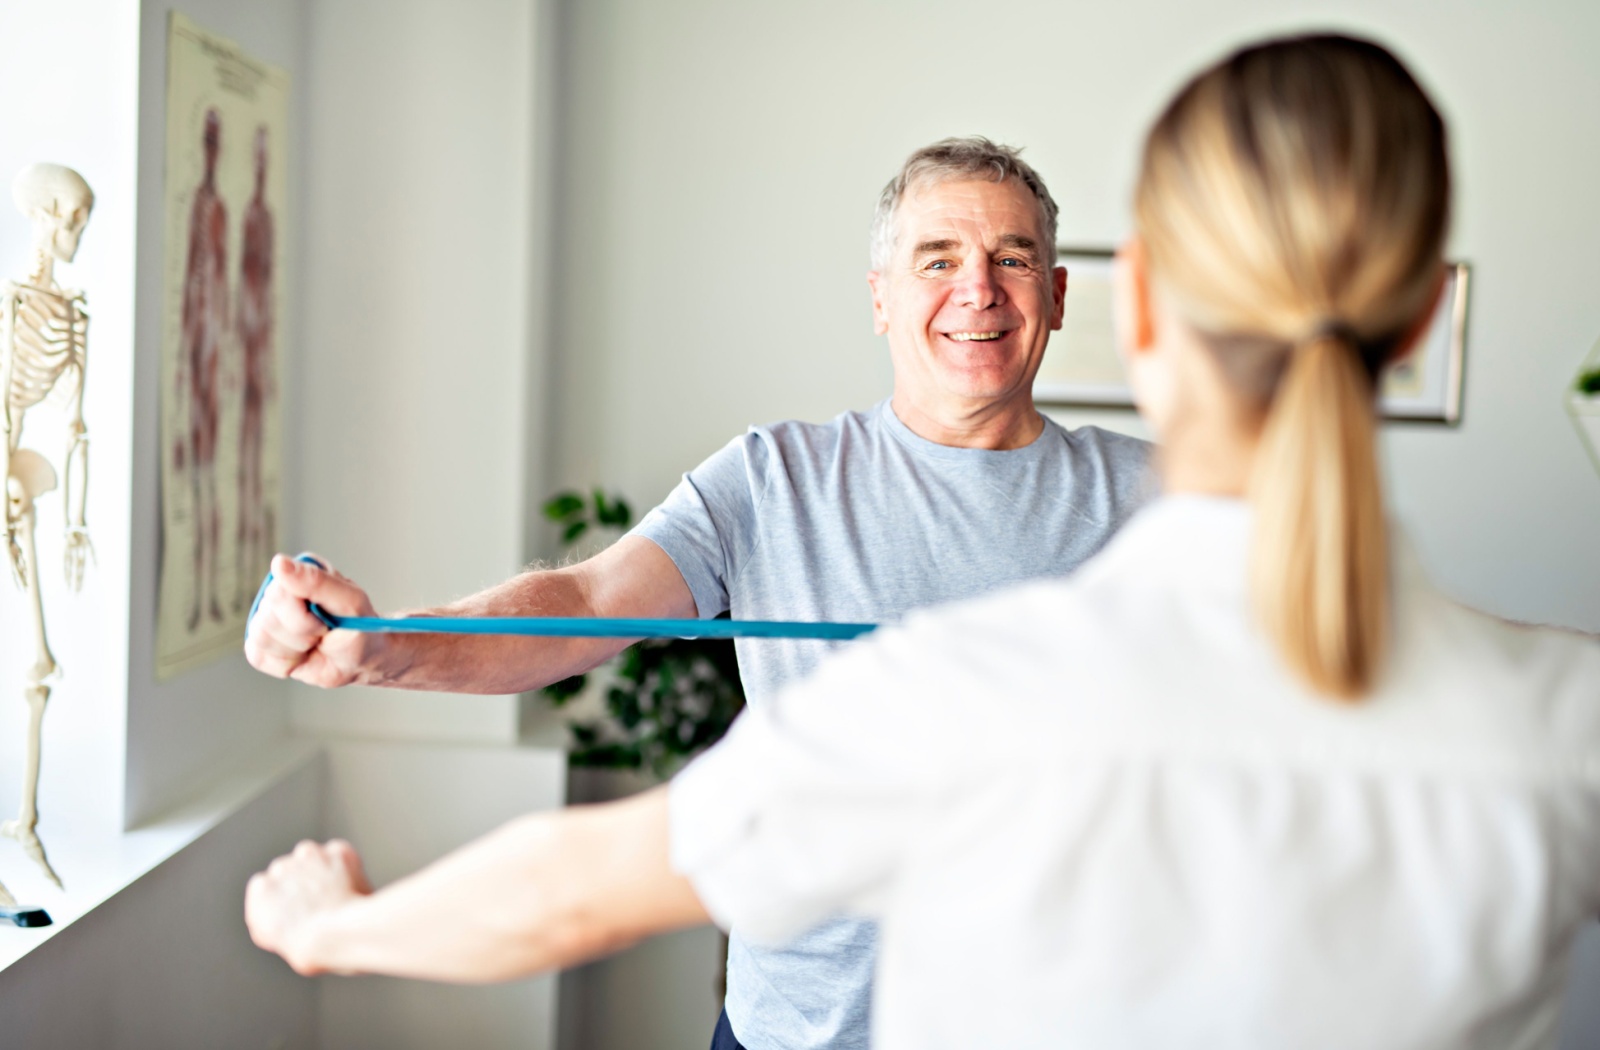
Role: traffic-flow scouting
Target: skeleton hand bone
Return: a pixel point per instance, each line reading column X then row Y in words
column 31, row 477
column 77, row 556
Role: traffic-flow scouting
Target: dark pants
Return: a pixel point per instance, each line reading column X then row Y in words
column 722, row 1038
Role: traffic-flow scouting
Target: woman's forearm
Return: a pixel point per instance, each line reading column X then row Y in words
column 545, row 891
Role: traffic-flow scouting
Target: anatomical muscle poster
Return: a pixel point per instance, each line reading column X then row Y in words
column 223, row 327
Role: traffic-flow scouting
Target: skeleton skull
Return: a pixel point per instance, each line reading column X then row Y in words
column 58, row 201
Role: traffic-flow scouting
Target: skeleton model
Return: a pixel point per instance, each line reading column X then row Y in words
column 43, row 346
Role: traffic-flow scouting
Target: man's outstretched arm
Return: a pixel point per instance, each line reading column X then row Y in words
column 632, row 578
column 544, row 891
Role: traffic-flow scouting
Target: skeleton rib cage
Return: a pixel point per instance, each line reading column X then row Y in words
column 41, row 350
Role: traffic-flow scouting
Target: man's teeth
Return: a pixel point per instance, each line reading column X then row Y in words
column 974, row 337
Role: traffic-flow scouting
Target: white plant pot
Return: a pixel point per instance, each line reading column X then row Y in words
column 1585, row 412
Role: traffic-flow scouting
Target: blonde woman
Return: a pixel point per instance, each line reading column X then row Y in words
column 1244, row 780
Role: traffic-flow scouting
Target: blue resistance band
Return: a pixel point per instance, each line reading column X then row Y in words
column 575, row 626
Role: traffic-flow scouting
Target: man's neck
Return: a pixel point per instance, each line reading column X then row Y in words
column 997, row 427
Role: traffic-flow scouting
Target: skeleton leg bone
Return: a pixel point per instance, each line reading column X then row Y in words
column 23, row 828
column 31, row 477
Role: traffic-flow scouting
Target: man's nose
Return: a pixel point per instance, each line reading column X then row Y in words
column 980, row 287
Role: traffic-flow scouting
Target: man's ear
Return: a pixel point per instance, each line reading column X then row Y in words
column 1132, row 311
column 1419, row 326
column 880, row 311
column 1058, row 291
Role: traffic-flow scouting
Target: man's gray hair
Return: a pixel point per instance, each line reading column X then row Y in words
column 955, row 159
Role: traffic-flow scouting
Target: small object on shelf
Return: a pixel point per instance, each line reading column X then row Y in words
column 26, row 916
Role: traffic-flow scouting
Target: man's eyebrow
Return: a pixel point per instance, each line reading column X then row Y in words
column 930, row 247
column 1019, row 242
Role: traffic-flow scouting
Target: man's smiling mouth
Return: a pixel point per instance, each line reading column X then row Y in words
column 973, row 337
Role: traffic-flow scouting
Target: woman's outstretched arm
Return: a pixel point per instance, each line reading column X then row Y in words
column 545, row 891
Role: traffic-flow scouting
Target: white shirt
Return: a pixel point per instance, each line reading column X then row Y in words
column 1098, row 812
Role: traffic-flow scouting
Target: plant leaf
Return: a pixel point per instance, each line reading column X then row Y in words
column 563, row 505
column 615, row 512
column 560, row 692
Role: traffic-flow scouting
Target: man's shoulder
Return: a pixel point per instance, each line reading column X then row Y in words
column 1098, row 440
column 808, row 433
column 792, row 446
column 798, row 440
column 1117, row 463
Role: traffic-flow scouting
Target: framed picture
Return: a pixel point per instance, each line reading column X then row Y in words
column 1083, row 369
column 223, row 322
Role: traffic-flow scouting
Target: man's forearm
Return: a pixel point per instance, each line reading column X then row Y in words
column 632, row 578
column 542, row 892
column 494, row 664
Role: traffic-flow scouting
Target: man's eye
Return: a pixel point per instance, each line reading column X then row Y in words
column 939, row 264
column 1013, row 263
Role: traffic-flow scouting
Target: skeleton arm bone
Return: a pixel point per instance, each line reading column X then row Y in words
column 9, row 526
column 633, row 578
column 75, row 465
column 546, row 890
column 75, row 491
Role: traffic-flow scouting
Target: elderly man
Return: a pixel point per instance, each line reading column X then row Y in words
column 954, row 486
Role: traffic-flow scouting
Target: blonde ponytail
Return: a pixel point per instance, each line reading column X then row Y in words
column 1319, row 571
column 1292, row 203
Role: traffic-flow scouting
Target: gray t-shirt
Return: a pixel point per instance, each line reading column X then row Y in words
column 859, row 519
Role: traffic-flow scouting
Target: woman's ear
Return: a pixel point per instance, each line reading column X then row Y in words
column 1149, row 371
column 1132, row 316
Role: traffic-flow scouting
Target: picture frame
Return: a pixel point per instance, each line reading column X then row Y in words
column 1083, row 367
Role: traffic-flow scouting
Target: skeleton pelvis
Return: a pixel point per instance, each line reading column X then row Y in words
column 31, row 476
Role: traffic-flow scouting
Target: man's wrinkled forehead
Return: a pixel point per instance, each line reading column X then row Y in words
column 944, row 215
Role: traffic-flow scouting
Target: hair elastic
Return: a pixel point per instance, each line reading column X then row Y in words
column 1372, row 353
column 1333, row 328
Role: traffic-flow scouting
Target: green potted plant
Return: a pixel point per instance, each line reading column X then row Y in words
column 665, row 699
column 1583, row 404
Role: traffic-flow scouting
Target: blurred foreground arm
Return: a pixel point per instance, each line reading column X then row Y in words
column 633, row 578
column 544, row 891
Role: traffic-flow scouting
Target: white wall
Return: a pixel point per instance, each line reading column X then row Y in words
column 421, row 394
column 405, row 805
column 420, row 349
column 728, row 155
column 410, row 364
column 167, row 964
column 79, row 55
column 180, row 733
column 721, row 160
